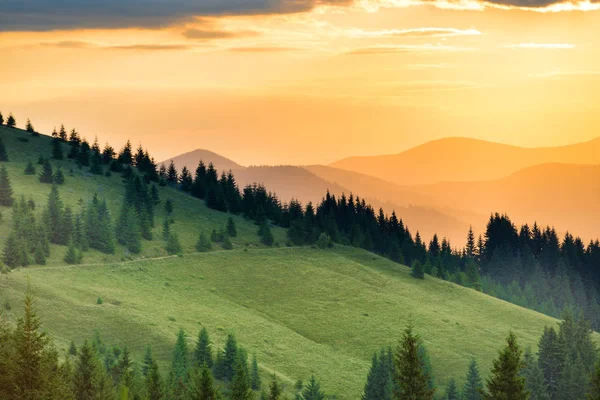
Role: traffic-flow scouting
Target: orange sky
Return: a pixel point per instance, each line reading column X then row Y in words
column 372, row 77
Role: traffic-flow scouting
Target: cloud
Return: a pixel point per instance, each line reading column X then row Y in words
column 209, row 34
column 75, row 44
column 529, row 5
column 264, row 49
column 413, row 32
column 44, row 15
column 394, row 49
column 555, row 46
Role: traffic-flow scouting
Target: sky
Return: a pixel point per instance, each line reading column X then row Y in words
column 303, row 81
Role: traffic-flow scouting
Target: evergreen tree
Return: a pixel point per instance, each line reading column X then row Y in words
column 148, row 360
column 126, row 154
column 186, row 180
column 3, row 153
column 57, row 151
column 240, row 385
column 312, row 391
column 6, row 192
column 380, row 384
column 451, row 391
column 62, row 133
column 30, row 169
column 14, row 254
column 594, row 390
column 411, row 378
column 203, row 352
column 1, row 119
column 255, row 375
column 473, row 383
column 227, row 245
column 203, row 245
column 154, row 384
column 417, row 270
column 231, row 229
column 179, row 373
column 59, row 177
column 47, row 175
column 11, row 122
column 73, row 256
column 169, row 207
column 574, row 380
column 154, row 195
column 202, row 385
column 551, row 358
column 534, row 377
column 506, row 381
column 172, row 174
column 40, row 254
column 264, row 232
column 274, row 389
column 173, row 246
column 230, row 357
column 128, row 230
column 88, row 374
column 72, row 349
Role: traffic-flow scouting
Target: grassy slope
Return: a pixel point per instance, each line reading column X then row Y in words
column 301, row 310
column 190, row 214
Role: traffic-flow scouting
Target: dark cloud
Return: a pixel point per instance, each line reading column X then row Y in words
column 44, row 15
column 209, row 34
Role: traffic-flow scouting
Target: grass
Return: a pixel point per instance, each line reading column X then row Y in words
column 303, row 311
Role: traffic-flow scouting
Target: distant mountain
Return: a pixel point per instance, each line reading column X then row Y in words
column 466, row 160
column 191, row 160
column 564, row 195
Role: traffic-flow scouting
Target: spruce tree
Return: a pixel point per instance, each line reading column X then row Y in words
column 11, row 122
column 473, row 383
column 240, row 385
column 255, row 375
column 154, row 384
column 89, row 378
column 1, row 119
column 39, row 255
column 203, row 244
column 451, row 391
column 179, row 373
column 227, row 245
column 147, row 361
column 417, row 270
column 230, row 357
column 594, row 390
column 202, row 385
column 506, row 381
column 312, row 391
column 203, row 352
column 534, row 378
column 13, row 254
column 29, row 126
column 57, row 151
column 73, row 256
column 274, row 389
column 47, row 175
column 172, row 174
column 231, row 229
column 264, row 232
column 6, row 192
column 59, row 177
column 3, row 153
column 29, row 169
column 169, row 207
column 551, row 358
column 154, row 195
column 411, row 378
column 72, row 349
column 173, row 246
column 62, row 133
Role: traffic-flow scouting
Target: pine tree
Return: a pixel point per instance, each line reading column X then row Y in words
column 89, row 378
column 1, row 119
column 13, row 252
column 72, row 349
column 154, row 195
column 451, row 391
column 203, row 245
column 47, row 175
column 506, row 381
column 202, row 385
column 73, row 256
column 411, row 378
column 57, row 151
column 148, row 359
column 154, row 385
column 574, row 380
column 128, row 230
column 264, row 232
column 227, row 245
column 3, row 153
column 534, row 377
column 6, row 192
column 312, row 391
column 274, row 389
column 11, row 122
column 240, row 385
column 30, row 169
column 40, row 255
column 594, row 390
column 179, row 373
column 255, row 375
column 126, row 154
column 203, row 352
column 169, row 207
column 62, row 133
column 59, row 177
column 173, row 246
column 417, row 270
column 230, row 357
column 551, row 358
column 172, row 174
column 231, row 229
column 473, row 383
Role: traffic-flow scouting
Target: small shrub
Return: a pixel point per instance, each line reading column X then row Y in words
column 99, row 301
column 227, row 245
column 173, row 246
column 29, row 169
column 324, row 241
column 7, row 305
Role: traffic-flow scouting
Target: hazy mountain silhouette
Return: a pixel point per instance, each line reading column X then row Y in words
column 463, row 159
column 564, row 195
column 191, row 159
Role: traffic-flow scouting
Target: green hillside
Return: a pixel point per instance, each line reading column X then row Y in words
column 302, row 311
